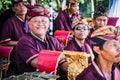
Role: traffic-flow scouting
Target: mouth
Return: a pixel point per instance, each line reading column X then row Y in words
column 118, row 55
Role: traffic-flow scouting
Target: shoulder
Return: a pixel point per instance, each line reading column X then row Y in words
column 13, row 18
column 27, row 38
column 61, row 14
column 86, row 73
column 70, row 44
column 51, row 38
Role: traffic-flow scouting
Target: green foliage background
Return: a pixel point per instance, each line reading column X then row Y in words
column 84, row 5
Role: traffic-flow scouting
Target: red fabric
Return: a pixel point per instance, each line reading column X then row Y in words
column 5, row 51
column 47, row 61
column 62, row 36
column 36, row 11
column 112, row 21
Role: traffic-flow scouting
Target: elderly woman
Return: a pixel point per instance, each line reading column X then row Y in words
column 106, row 50
column 28, row 48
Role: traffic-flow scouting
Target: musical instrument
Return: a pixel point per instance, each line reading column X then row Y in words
column 62, row 36
column 3, row 67
column 48, row 61
column 77, row 61
column 5, row 51
column 33, row 76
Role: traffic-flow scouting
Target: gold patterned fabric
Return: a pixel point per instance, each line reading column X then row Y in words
column 77, row 61
column 90, row 22
column 108, row 31
column 77, row 21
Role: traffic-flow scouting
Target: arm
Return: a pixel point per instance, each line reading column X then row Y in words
column 59, row 22
column 9, row 43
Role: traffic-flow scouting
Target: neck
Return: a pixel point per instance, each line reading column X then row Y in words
column 79, row 42
column 69, row 13
column 107, row 67
column 42, row 38
column 20, row 17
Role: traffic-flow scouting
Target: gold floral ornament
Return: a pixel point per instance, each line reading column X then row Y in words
column 90, row 22
column 105, row 31
column 77, row 61
column 78, row 20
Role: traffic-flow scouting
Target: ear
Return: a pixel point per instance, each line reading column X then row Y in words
column 29, row 24
column 97, row 49
column 72, row 32
column 13, row 9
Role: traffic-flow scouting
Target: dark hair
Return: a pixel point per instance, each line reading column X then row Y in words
column 100, row 11
column 15, row 2
column 97, row 42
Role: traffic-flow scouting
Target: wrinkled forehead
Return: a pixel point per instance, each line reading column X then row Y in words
column 101, row 18
column 73, row 4
column 81, row 25
column 40, row 18
column 19, row 3
column 113, row 41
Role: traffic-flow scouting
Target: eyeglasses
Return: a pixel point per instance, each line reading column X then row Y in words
column 80, row 28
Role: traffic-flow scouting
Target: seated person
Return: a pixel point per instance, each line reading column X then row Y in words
column 28, row 47
column 65, row 17
column 80, row 30
column 106, row 50
column 14, row 27
column 4, row 17
column 100, row 18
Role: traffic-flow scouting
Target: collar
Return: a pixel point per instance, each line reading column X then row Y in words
column 19, row 18
column 38, row 37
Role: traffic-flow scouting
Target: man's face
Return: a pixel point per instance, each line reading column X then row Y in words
column 73, row 8
column 111, row 50
column 20, row 8
column 81, row 31
column 39, row 25
column 100, row 21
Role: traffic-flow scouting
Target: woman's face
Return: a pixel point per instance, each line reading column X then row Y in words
column 39, row 25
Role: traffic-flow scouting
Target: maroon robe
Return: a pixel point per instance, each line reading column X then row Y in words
column 73, row 46
column 63, row 22
column 28, row 48
column 13, row 29
column 92, row 73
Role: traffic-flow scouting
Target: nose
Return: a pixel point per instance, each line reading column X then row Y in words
column 102, row 23
column 118, row 49
column 40, row 23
